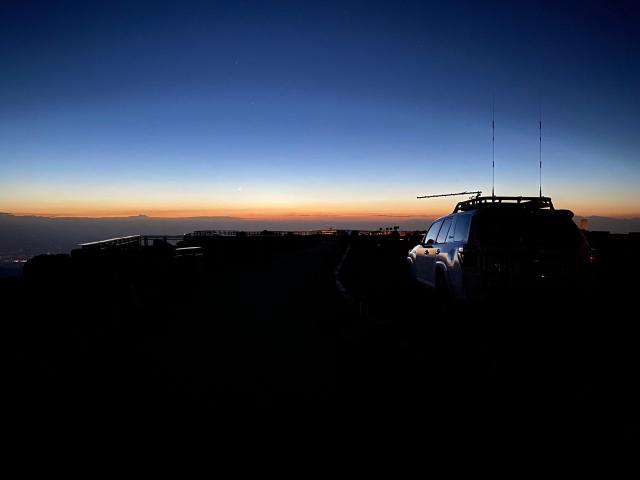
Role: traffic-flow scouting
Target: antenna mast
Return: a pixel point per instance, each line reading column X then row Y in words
column 493, row 147
column 540, row 150
column 476, row 193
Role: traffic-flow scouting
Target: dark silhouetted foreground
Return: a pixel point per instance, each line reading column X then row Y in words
column 255, row 326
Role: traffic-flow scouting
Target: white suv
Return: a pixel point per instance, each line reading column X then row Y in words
column 495, row 243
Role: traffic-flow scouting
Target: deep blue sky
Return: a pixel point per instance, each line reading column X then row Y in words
column 314, row 107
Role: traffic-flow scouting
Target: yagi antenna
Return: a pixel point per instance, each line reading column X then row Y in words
column 477, row 194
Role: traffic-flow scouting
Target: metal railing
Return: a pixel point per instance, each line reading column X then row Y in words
column 131, row 241
column 257, row 233
column 137, row 241
column 113, row 242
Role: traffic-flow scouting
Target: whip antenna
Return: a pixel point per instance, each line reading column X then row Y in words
column 540, row 149
column 493, row 147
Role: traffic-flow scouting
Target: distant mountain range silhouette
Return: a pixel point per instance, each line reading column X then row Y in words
column 39, row 234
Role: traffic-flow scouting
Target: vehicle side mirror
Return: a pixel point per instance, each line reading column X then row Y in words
column 429, row 242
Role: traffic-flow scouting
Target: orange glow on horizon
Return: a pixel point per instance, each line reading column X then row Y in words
column 278, row 214
column 244, row 214
column 302, row 206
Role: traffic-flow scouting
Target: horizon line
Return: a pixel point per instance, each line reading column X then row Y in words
column 267, row 217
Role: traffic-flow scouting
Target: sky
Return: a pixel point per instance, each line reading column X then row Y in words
column 315, row 109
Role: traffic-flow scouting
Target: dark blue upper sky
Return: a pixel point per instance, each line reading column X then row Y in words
column 319, row 106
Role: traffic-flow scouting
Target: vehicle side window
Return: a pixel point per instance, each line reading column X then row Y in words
column 452, row 229
column 444, row 231
column 462, row 228
column 433, row 232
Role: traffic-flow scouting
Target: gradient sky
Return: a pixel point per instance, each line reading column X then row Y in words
column 340, row 108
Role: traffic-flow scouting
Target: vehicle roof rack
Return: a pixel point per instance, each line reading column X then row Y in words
column 525, row 203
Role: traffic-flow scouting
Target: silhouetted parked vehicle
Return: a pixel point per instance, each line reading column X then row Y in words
column 492, row 244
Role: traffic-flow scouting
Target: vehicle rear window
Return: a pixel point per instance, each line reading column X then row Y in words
column 528, row 228
column 444, row 231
